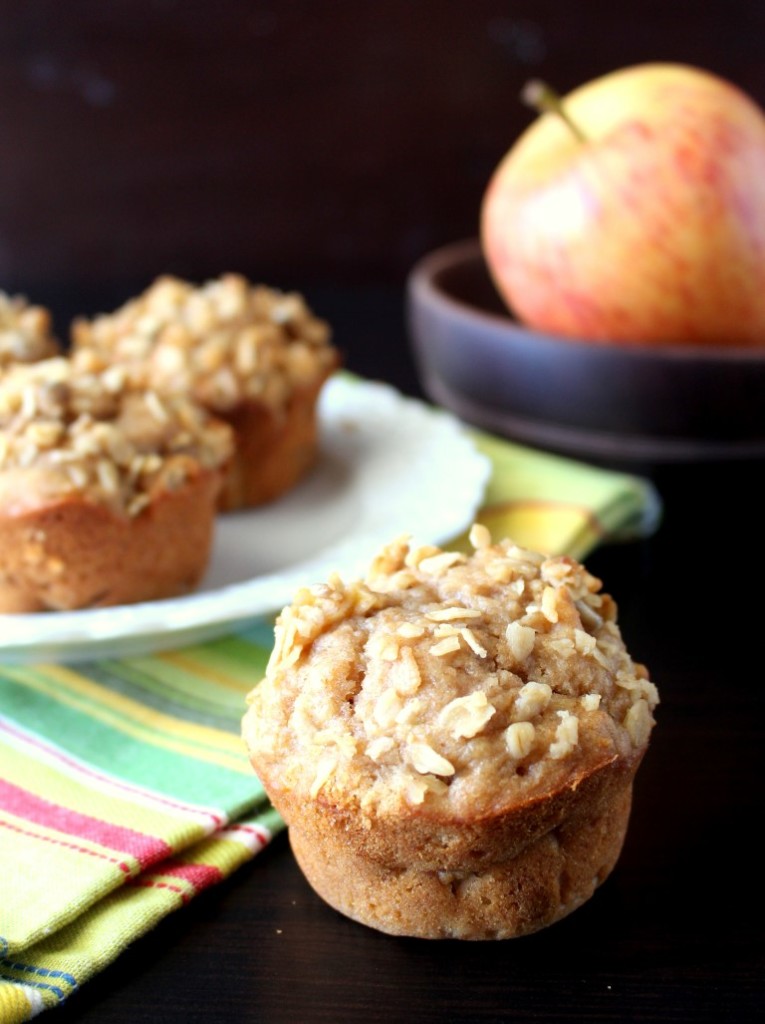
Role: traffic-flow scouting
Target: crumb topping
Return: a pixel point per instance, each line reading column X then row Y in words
column 223, row 342
column 445, row 678
column 26, row 333
column 64, row 432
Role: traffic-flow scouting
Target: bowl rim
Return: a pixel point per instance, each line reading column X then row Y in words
column 422, row 281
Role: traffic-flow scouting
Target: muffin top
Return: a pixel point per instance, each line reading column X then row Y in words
column 66, row 433
column 448, row 684
column 25, row 331
column 225, row 342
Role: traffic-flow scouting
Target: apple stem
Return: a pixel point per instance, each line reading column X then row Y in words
column 545, row 100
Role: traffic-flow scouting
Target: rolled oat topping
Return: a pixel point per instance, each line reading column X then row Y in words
column 66, row 432
column 26, row 333
column 223, row 342
column 451, row 675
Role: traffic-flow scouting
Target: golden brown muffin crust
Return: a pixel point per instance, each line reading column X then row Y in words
column 74, row 554
column 107, row 492
column 453, row 716
column 545, row 880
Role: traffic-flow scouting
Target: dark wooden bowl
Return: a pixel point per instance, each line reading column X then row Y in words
column 609, row 402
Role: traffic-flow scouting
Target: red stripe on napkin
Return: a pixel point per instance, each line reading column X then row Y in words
column 198, row 875
column 146, row 849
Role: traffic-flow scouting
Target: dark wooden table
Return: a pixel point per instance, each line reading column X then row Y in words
column 674, row 935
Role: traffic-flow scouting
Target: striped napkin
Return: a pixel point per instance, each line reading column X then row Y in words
column 124, row 785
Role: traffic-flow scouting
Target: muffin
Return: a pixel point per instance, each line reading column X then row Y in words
column 107, row 492
column 26, row 332
column 452, row 741
column 254, row 356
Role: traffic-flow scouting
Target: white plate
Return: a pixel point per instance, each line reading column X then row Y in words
column 389, row 465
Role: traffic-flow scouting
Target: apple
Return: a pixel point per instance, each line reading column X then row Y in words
column 638, row 215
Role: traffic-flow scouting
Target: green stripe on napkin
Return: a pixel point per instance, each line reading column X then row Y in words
column 124, row 785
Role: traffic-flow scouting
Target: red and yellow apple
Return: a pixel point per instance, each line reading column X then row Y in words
column 646, row 222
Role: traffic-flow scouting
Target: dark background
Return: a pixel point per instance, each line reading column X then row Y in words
column 318, row 145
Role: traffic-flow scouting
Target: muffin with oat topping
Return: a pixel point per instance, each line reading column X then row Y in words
column 107, row 491
column 26, row 332
column 452, row 741
column 254, row 356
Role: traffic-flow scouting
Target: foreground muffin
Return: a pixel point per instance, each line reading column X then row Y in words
column 107, row 492
column 254, row 356
column 453, row 741
column 26, row 331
